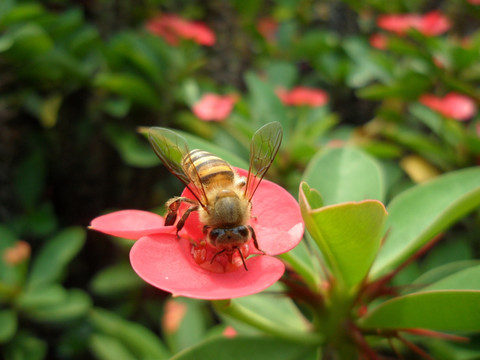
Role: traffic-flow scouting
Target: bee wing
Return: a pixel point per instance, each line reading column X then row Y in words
column 172, row 148
column 263, row 149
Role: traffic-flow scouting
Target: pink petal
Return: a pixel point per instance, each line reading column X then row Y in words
column 398, row 23
column 379, row 41
column 434, row 23
column 431, row 101
column 302, row 95
column 130, row 224
column 453, row 105
column 268, row 27
column 198, row 32
column 212, row 107
column 277, row 220
column 172, row 27
column 166, row 263
column 458, row 106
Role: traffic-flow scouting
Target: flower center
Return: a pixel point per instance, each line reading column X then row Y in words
column 220, row 260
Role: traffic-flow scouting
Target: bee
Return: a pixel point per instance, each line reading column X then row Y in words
column 223, row 198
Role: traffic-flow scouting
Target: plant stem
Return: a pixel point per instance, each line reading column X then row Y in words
column 254, row 319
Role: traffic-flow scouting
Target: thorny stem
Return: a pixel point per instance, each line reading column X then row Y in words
column 378, row 288
column 359, row 340
column 414, row 348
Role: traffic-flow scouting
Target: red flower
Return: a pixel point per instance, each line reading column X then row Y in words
column 398, row 23
column 430, row 24
column 267, row 27
column 301, row 95
column 173, row 28
column 434, row 23
column 453, row 105
column 183, row 266
column 379, row 41
column 212, row 107
column 474, row 2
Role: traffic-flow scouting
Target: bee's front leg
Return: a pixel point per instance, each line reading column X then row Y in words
column 173, row 205
column 254, row 237
column 184, row 217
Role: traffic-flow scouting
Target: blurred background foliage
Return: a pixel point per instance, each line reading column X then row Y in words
column 77, row 79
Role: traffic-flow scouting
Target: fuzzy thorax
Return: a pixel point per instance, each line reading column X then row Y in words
column 227, row 208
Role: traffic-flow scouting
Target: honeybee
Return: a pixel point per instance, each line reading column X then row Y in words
column 222, row 197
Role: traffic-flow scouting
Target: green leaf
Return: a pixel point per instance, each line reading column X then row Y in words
column 422, row 212
column 446, row 310
column 114, row 280
column 10, row 276
column 30, row 42
column 252, row 348
column 21, row 13
column 8, row 319
column 74, row 305
column 466, row 279
column 30, row 179
column 191, row 327
column 281, row 73
column 128, row 85
column 281, row 311
column 441, row 272
column 305, row 263
column 132, row 51
column 368, row 64
column 25, row 347
column 348, row 235
column 131, row 148
column 408, row 87
column 139, row 340
column 265, row 104
column 345, row 174
column 49, row 265
column 108, row 348
column 45, row 296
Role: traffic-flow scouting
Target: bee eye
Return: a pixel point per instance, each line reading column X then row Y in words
column 215, row 233
column 243, row 231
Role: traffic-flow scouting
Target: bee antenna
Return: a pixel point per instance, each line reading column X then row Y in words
column 218, row 253
column 236, row 248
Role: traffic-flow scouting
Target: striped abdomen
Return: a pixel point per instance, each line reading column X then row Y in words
column 211, row 169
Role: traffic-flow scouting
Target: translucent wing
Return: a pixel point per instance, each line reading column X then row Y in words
column 263, row 149
column 172, row 149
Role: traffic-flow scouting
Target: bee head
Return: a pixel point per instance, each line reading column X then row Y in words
column 229, row 238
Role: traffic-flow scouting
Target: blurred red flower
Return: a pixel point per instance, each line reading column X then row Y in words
column 302, row 95
column 379, row 41
column 267, row 27
column 173, row 28
column 474, row 2
column 213, row 107
column 430, row 24
column 182, row 265
column 453, row 105
column 434, row 23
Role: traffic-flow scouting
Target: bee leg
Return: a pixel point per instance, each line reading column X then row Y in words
column 254, row 237
column 173, row 205
column 184, row 217
column 241, row 256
